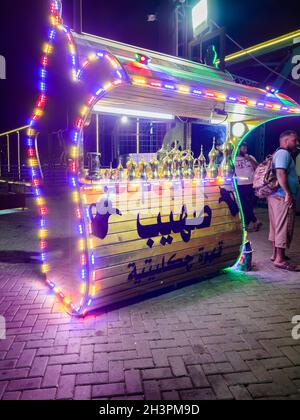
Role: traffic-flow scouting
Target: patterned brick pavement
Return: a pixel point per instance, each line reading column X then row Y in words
column 227, row 338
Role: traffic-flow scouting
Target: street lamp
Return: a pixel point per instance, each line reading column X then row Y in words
column 200, row 17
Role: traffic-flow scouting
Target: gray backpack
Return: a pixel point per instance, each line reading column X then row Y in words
column 265, row 180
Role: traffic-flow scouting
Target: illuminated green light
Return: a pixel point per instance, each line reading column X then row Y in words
column 241, row 141
column 215, row 62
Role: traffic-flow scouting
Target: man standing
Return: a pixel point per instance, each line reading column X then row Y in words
column 282, row 203
column 245, row 166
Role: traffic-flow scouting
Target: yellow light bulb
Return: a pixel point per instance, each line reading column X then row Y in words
column 53, row 21
column 38, row 112
column 82, row 245
column 32, row 163
column 74, row 152
column 92, row 57
column 45, row 268
column 31, row 132
column 47, row 48
column 40, row 201
column 74, row 75
column 75, row 196
column 84, row 111
column 43, row 233
column 107, row 86
column 72, row 49
column 184, row 89
column 139, row 81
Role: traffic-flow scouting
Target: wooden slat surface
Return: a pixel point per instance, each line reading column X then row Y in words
column 122, row 233
column 110, row 267
column 141, row 244
column 123, row 246
column 100, row 302
column 106, row 281
column 114, row 261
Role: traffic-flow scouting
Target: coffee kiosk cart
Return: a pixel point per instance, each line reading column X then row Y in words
column 143, row 223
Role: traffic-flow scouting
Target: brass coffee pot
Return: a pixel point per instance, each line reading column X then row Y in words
column 154, row 165
column 120, row 170
column 143, row 166
column 168, row 167
column 178, row 166
column 212, row 169
column 131, row 169
column 111, row 172
column 227, row 168
column 201, row 161
column 189, row 164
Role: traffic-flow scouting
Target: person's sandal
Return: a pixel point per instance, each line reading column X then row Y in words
column 286, row 259
column 288, row 267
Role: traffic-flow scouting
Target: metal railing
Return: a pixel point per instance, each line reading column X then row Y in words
column 244, row 81
column 8, row 169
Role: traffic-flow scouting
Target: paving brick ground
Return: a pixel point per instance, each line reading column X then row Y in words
column 227, row 338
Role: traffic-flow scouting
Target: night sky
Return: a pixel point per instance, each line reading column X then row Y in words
column 23, row 26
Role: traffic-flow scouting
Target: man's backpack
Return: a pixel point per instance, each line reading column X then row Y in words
column 265, row 181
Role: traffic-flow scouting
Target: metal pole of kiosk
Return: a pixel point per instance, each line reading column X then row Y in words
column 97, row 134
column 138, row 136
column 8, row 154
column 19, row 155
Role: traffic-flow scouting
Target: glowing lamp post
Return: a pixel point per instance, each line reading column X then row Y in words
column 200, row 17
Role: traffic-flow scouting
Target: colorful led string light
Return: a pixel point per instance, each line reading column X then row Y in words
column 118, row 77
column 56, row 23
column 55, row 26
column 218, row 96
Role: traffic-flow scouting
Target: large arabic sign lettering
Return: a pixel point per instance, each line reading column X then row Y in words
column 184, row 226
column 228, row 197
column 101, row 212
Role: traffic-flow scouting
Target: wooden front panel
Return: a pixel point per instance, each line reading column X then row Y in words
column 147, row 241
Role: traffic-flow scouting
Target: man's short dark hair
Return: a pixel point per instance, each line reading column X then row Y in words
column 244, row 144
column 288, row 133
